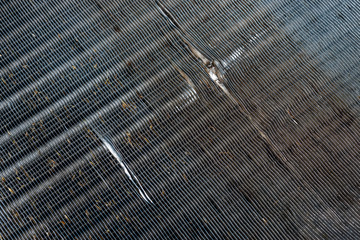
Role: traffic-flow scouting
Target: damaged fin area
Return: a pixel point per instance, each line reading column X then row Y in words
column 213, row 67
column 216, row 72
column 116, row 154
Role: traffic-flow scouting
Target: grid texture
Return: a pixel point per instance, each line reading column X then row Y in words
column 179, row 119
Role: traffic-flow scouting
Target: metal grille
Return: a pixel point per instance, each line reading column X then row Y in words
column 179, row 119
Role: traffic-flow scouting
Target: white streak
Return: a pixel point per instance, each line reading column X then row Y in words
column 236, row 54
column 127, row 170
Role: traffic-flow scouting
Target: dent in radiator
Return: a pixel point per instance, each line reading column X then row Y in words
column 217, row 69
column 213, row 67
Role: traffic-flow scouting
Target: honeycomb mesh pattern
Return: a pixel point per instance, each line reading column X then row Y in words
column 177, row 119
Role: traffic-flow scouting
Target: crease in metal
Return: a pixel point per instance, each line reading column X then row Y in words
column 129, row 173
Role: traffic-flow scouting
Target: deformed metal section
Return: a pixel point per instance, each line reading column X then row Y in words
column 110, row 147
column 213, row 67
